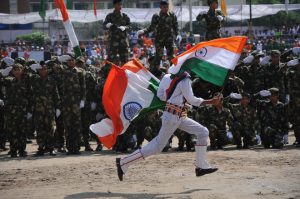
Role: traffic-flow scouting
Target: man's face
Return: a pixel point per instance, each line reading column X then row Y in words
column 164, row 8
column 274, row 98
column 118, row 6
column 80, row 64
column 275, row 58
column 17, row 72
column 214, row 5
column 245, row 101
column 71, row 63
column 43, row 72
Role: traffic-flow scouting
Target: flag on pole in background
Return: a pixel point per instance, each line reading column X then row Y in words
column 128, row 92
column 69, row 4
column 95, row 8
column 211, row 60
column 223, row 7
column 42, row 9
column 287, row 6
column 69, row 27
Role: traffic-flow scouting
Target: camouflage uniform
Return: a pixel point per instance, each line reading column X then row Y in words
column 118, row 40
column 274, row 123
column 73, row 91
column 216, row 122
column 3, row 135
column 212, row 22
column 293, row 75
column 253, row 76
column 59, row 132
column 275, row 76
column 166, row 30
column 86, row 113
column 46, row 101
column 244, row 124
column 17, row 105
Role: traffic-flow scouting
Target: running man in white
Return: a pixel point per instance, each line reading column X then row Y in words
column 175, row 91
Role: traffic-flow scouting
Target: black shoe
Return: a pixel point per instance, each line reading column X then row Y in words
column 13, row 155
column 39, row 153
column 245, row 147
column 28, row 141
column 52, row 153
column 23, row 154
column 119, row 169
column 180, row 148
column 88, row 148
column 70, row 152
column 99, row 147
column 76, row 152
column 201, row 172
column 238, row 147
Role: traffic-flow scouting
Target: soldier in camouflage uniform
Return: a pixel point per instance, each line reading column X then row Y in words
column 217, row 118
column 274, row 120
column 59, row 133
column 274, row 75
column 165, row 26
column 87, row 111
column 46, row 106
column 73, row 100
column 214, row 19
column 253, row 75
column 17, row 109
column 2, row 130
column 293, row 75
column 245, row 121
column 118, row 24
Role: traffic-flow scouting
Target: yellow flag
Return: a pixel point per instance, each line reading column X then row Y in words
column 223, row 7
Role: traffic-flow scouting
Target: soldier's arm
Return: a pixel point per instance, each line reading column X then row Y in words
column 229, row 119
column 82, row 85
column 175, row 25
column 106, row 21
column 56, row 97
column 128, row 23
column 153, row 24
column 201, row 16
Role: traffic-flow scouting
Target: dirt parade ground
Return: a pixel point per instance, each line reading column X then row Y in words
column 243, row 174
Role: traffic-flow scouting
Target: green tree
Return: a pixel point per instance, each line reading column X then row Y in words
column 36, row 38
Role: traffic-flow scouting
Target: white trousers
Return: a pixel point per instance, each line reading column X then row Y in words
column 169, row 125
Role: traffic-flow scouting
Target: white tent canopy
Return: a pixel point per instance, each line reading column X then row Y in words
column 139, row 15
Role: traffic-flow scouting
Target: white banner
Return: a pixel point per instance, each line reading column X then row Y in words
column 139, row 15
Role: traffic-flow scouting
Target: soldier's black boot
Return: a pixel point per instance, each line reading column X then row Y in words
column 39, row 153
column 201, row 172
column 88, row 148
column 22, row 153
column 119, row 169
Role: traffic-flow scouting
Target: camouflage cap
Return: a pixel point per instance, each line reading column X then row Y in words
column 164, row 2
column 275, row 52
column 245, row 94
column 211, row 1
column 257, row 53
column 80, row 59
column 20, row 60
column 17, row 66
column 273, row 90
column 117, row 1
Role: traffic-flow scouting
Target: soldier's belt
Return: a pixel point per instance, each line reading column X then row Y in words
column 176, row 110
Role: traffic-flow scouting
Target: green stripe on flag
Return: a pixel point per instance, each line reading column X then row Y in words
column 42, row 9
column 209, row 72
column 77, row 51
column 156, row 103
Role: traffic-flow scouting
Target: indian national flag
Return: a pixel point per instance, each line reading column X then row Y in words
column 211, row 60
column 128, row 92
column 69, row 27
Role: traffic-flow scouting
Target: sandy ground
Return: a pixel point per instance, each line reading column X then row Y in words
column 243, row 174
